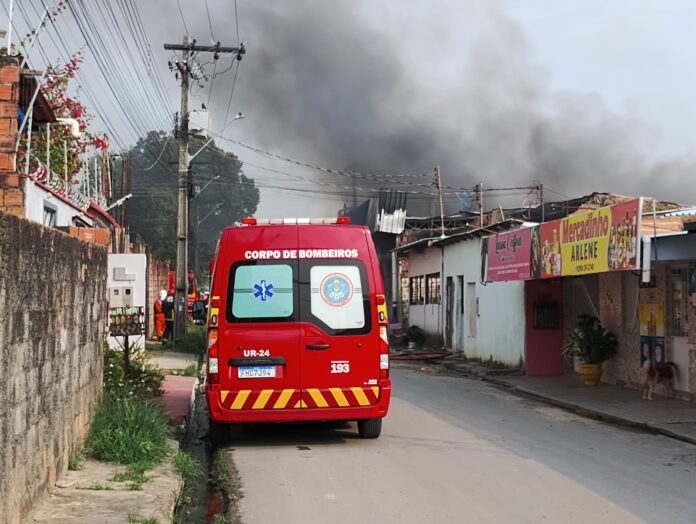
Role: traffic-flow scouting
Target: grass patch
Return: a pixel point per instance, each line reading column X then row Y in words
column 219, row 518
column 75, row 461
column 187, row 466
column 98, row 487
column 134, row 519
column 129, row 430
column 135, row 474
column 190, row 371
column 194, row 342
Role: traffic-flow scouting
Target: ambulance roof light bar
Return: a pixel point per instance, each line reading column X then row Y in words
column 251, row 221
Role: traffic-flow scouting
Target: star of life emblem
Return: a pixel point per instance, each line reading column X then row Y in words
column 263, row 290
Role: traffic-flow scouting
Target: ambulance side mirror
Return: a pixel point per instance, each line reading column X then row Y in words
column 198, row 312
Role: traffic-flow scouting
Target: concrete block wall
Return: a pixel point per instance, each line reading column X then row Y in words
column 52, row 302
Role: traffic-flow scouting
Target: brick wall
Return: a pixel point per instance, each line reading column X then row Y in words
column 157, row 279
column 11, row 196
column 625, row 368
column 52, row 300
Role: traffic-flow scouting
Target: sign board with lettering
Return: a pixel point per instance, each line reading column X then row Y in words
column 595, row 241
column 509, row 256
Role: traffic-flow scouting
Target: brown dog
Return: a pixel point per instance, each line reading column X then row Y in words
column 655, row 375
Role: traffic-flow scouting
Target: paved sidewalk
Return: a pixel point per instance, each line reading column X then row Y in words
column 671, row 417
column 92, row 495
column 178, row 397
column 171, row 360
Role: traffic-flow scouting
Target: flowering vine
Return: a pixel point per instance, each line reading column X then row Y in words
column 55, row 91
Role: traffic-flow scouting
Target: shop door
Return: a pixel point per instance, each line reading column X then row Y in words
column 449, row 312
column 544, row 327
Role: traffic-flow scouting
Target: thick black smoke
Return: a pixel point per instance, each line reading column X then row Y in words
column 326, row 83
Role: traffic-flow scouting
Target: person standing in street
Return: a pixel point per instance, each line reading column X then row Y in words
column 168, row 312
column 160, row 324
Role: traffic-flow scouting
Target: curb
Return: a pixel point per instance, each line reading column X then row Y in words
column 480, row 371
column 592, row 413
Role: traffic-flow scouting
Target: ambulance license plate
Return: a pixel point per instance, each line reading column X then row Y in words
column 256, row 372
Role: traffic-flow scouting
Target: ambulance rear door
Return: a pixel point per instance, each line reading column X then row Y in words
column 260, row 337
column 339, row 339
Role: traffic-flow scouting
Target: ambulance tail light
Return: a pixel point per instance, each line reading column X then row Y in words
column 383, row 352
column 213, row 356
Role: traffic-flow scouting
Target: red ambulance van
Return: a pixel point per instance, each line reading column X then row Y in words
column 297, row 326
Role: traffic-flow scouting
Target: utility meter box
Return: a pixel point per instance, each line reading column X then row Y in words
column 127, row 287
column 121, row 297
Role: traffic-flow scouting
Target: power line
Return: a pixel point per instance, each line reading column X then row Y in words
column 183, row 20
column 357, row 174
column 210, row 23
column 236, row 21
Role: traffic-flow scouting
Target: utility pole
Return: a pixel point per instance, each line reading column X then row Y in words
column 541, row 199
column 185, row 70
column 480, row 192
column 180, row 307
column 438, row 181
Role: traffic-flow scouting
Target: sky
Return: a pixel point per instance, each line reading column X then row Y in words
column 578, row 95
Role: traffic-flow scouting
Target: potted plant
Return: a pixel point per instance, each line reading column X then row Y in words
column 592, row 345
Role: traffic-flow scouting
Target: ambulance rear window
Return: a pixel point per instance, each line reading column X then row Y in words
column 334, row 295
column 261, row 292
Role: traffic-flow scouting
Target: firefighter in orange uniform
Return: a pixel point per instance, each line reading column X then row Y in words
column 159, row 314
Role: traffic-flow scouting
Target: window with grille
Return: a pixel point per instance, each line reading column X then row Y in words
column 416, row 290
column 49, row 216
column 432, row 283
column 678, row 302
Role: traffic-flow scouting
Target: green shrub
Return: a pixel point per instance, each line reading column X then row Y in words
column 145, row 379
column 75, row 461
column 190, row 371
column 194, row 342
column 128, row 430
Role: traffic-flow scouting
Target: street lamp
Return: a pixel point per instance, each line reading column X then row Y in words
column 203, row 189
column 197, row 221
column 216, row 211
column 239, row 116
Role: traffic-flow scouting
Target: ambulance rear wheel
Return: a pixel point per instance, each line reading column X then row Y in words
column 218, row 432
column 370, row 428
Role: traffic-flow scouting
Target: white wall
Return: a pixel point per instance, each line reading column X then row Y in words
column 500, row 326
column 429, row 316
column 37, row 197
column 135, row 267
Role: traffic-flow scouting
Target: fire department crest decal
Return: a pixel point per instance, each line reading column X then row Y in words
column 336, row 289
